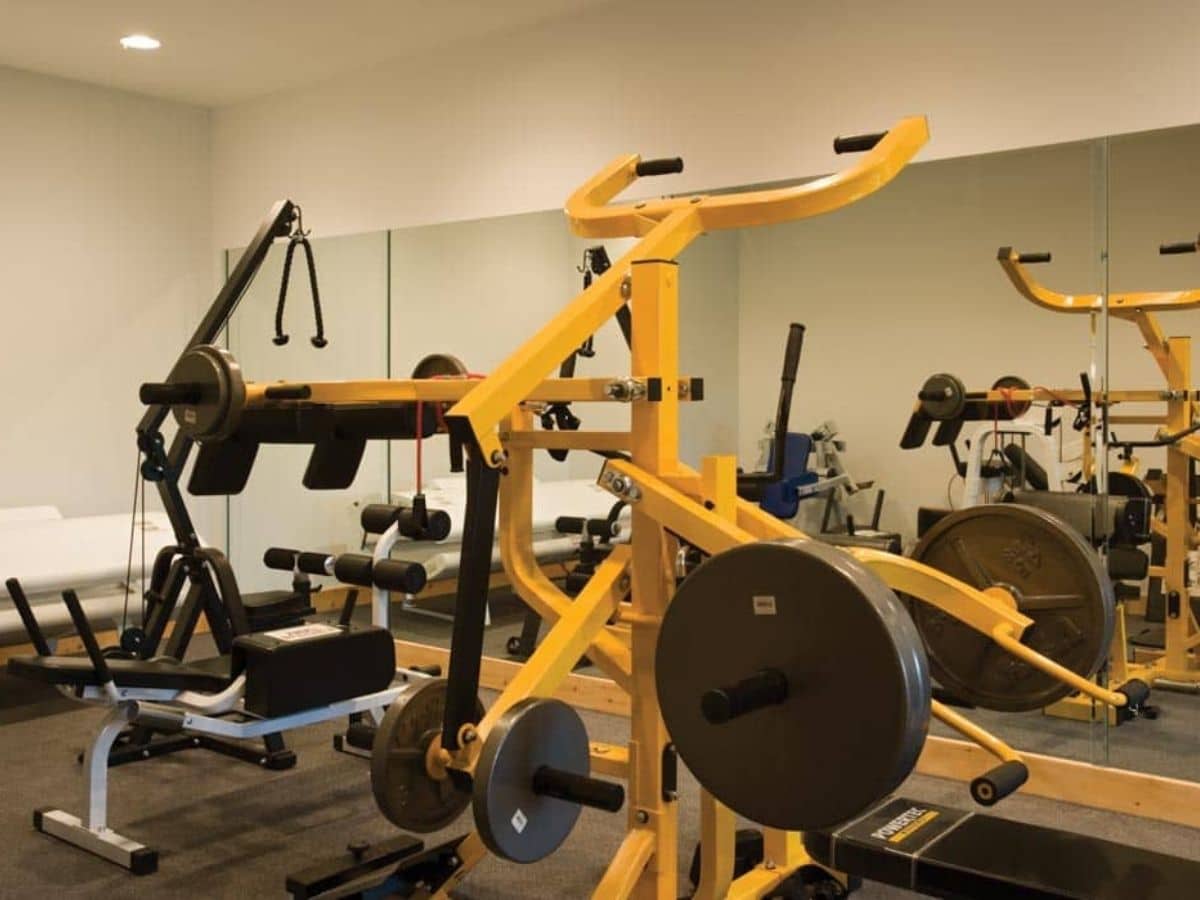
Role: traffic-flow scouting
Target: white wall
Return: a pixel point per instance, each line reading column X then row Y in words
column 746, row 92
column 106, row 264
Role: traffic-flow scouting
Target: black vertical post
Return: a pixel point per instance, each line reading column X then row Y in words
column 470, row 608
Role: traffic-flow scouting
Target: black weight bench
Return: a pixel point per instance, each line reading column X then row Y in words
column 943, row 852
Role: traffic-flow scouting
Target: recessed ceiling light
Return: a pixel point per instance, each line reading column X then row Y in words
column 140, row 42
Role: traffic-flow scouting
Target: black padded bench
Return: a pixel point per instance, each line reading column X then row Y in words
column 945, row 852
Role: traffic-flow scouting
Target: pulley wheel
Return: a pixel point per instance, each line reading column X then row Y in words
column 1013, row 383
column 1057, row 580
column 222, row 392
column 439, row 365
column 514, row 822
column 405, row 791
column 943, row 397
column 837, row 660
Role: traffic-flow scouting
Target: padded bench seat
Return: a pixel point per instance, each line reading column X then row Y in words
column 943, row 852
column 210, row 675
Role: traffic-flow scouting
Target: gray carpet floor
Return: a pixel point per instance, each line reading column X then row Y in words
column 227, row 829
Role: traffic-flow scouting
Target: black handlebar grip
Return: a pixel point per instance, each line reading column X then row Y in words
column 376, row 518
column 669, row 166
column 84, row 629
column 280, row 558
column 791, row 355
column 582, row 789
column 353, row 568
column 1180, row 247
column 1030, row 258
column 764, row 688
column 156, row 393
column 993, row 786
column 313, row 563
column 17, row 594
column 857, row 143
column 288, row 392
column 1136, row 692
column 399, row 575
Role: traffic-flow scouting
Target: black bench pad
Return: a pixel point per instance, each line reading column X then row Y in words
column 166, row 674
column 944, row 852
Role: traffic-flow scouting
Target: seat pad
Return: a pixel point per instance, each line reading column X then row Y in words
column 162, row 673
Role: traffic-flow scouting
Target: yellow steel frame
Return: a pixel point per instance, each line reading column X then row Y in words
column 616, row 619
column 1179, row 660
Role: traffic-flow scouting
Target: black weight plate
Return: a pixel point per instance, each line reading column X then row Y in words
column 1013, row 383
column 404, row 790
column 1059, row 582
column 857, row 709
column 514, row 822
column 439, row 365
column 222, row 393
column 944, row 397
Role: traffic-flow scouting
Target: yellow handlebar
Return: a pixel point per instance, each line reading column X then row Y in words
column 591, row 216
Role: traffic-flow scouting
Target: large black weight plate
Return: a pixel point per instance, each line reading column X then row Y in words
column 514, row 822
column 1058, row 581
column 404, row 790
column 222, row 392
column 857, row 709
column 943, row 397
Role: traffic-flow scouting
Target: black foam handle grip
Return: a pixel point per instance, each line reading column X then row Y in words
column 668, row 166
column 376, row 518
column 1179, row 247
column 154, row 393
column 601, row 528
column 353, row 568
column 17, row 594
column 761, row 689
column 1136, row 692
column 399, row 575
column 288, row 392
column 992, row 787
column 280, row 558
column 582, row 789
column 313, row 563
column 84, row 629
column 1030, row 258
column 791, row 354
column 857, row 143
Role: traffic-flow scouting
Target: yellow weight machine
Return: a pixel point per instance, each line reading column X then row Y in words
column 434, row 753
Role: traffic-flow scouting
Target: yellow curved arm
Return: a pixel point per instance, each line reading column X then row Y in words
column 590, row 216
column 1137, row 301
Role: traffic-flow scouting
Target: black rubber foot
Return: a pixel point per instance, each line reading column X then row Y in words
column 278, row 762
column 144, row 861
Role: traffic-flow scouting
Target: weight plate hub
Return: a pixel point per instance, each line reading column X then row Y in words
column 404, row 790
column 514, row 822
column 222, row 392
column 1057, row 580
column 943, row 397
column 856, row 709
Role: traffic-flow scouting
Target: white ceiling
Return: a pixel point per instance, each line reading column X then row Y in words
column 217, row 52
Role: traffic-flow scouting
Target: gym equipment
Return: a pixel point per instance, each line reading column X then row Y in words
column 942, row 852
column 271, row 682
column 771, row 622
column 403, row 791
column 1056, row 579
column 534, row 780
column 673, row 506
